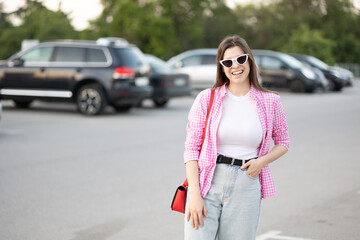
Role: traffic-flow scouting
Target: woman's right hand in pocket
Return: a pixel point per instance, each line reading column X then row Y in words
column 195, row 211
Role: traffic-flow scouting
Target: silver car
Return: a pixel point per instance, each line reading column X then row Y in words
column 199, row 64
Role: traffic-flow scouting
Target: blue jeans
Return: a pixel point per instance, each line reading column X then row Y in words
column 233, row 205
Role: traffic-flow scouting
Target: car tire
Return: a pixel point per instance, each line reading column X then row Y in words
column 91, row 100
column 160, row 102
column 122, row 108
column 297, row 86
column 22, row 103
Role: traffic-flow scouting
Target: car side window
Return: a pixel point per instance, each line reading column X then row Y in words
column 69, row 54
column 192, row 61
column 209, row 60
column 257, row 60
column 40, row 54
column 95, row 55
column 271, row 63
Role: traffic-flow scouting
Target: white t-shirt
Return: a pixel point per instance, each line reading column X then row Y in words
column 240, row 133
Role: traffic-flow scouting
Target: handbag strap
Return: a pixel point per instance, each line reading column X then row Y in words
column 206, row 123
column 208, row 113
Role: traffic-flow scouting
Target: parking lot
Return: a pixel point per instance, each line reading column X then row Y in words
column 65, row 176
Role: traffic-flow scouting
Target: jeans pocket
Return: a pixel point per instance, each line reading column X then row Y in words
column 251, row 177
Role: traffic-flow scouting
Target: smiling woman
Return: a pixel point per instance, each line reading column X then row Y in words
column 232, row 160
column 75, row 9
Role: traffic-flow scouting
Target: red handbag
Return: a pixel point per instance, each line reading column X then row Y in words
column 179, row 200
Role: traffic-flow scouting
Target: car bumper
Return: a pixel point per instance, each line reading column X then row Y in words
column 314, row 84
column 171, row 92
column 129, row 95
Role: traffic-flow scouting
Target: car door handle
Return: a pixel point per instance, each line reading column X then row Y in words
column 42, row 69
column 78, row 69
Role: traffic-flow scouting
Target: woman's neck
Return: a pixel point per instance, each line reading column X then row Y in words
column 239, row 89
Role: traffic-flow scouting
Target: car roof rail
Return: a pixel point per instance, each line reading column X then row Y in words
column 117, row 41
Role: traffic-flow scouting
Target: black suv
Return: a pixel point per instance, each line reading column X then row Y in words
column 90, row 73
column 284, row 71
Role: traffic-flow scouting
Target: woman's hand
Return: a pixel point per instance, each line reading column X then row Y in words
column 195, row 211
column 254, row 167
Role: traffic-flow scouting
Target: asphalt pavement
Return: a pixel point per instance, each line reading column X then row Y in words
column 64, row 176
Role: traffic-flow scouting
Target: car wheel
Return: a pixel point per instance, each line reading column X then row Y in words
column 297, row 86
column 22, row 103
column 91, row 99
column 160, row 102
column 123, row 108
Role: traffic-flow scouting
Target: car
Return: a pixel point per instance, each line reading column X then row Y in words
column 345, row 74
column 281, row 70
column 93, row 74
column 336, row 82
column 199, row 64
column 165, row 82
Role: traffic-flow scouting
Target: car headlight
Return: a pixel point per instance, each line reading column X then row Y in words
column 308, row 73
column 335, row 73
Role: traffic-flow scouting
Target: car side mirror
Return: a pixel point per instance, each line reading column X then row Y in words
column 16, row 62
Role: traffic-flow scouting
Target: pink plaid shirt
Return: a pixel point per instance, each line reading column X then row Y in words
column 273, row 122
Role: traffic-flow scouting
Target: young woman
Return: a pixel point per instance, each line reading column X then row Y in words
column 229, row 175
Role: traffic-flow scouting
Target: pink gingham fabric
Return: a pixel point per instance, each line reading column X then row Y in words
column 273, row 122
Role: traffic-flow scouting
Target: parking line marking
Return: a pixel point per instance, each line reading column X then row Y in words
column 274, row 235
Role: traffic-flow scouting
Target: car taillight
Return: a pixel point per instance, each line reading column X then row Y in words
column 123, row 73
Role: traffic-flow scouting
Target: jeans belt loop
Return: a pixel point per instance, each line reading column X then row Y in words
column 232, row 162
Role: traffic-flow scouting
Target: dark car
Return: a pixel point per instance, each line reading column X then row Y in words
column 281, row 70
column 336, row 82
column 90, row 73
column 166, row 82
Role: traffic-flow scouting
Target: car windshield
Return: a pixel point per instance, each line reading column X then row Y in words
column 293, row 62
column 318, row 63
column 157, row 65
column 130, row 57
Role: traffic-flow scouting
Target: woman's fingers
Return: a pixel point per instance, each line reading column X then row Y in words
column 205, row 212
column 194, row 221
column 188, row 214
column 196, row 218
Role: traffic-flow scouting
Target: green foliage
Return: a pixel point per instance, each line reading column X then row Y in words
column 326, row 29
column 313, row 43
column 38, row 23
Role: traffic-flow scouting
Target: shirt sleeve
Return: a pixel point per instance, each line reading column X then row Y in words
column 280, row 132
column 195, row 126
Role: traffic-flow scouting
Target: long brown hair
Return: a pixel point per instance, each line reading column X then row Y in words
column 233, row 41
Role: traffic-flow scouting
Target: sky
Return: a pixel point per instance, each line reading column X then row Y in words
column 81, row 13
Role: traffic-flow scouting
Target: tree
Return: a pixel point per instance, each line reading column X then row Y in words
column 219, row 21
column 37, row 23
column 310, row 42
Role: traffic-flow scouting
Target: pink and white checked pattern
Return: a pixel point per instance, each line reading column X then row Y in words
column 273, row 122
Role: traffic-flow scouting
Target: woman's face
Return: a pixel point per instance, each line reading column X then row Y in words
column 237, row 74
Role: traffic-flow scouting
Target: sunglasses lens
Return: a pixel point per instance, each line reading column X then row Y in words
column 227, row 63
column 242, row 59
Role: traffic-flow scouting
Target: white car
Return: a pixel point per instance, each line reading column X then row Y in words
column 199, row 64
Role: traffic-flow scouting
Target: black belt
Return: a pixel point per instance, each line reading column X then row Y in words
column 231, row 161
